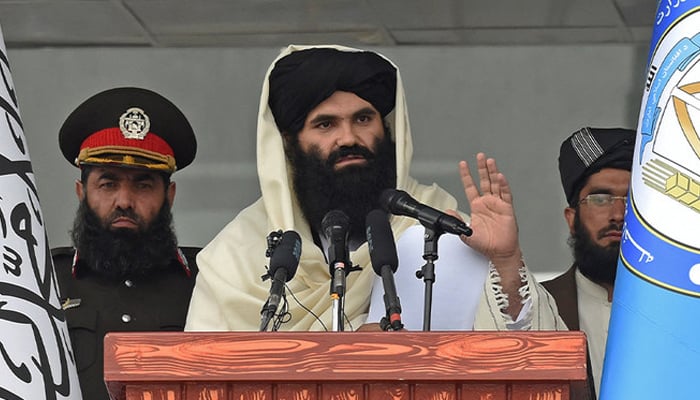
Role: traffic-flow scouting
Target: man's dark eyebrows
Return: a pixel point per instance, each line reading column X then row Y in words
column 322, row 118
column 146, row 176
column 141, row 177
column 109, row 175
column 600, row 190
column 365, row 111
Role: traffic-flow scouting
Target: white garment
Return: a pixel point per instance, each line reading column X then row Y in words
column 594, row 317
column 460, row 273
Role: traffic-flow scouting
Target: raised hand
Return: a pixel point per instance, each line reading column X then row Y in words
column 492, row 216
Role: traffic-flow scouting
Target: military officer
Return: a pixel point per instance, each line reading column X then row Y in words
column 125, row 271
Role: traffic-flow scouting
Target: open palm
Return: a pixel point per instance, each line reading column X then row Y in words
column 492, row 216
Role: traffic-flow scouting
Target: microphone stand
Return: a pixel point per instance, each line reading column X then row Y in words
column 427, row 271
column 266, row 316
column 337, row 293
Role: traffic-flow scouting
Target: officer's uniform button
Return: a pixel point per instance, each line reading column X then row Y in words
column 128, row 283
column 126, row 318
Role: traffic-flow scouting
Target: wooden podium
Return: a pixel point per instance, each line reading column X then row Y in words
column 345, row 366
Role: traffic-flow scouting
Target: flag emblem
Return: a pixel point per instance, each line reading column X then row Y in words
column 668, row 177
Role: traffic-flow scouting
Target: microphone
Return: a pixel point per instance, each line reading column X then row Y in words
column 399, row 202
column 335, row 225
column 283, row 265
column 382, row 252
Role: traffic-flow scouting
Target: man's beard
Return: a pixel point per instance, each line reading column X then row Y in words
column 597, row 263
column 354, row 189
column 121, row 252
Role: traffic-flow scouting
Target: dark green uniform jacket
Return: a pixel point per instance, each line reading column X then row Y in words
column 95, row 306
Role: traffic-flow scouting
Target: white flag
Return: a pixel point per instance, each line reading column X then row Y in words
column 36, row 360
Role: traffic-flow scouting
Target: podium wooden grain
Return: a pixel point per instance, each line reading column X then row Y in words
column 345, row 365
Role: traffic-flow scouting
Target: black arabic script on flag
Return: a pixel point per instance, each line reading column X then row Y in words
column 36, row 359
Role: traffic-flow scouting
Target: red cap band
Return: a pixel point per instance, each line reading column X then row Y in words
column 113, row 137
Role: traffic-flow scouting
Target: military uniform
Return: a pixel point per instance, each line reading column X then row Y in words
column 132, row 129
column 95, row 305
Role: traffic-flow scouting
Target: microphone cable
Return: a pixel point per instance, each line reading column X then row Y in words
column 284, row 316
column 316, row 317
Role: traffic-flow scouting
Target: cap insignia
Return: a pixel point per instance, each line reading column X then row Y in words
column 134, row 123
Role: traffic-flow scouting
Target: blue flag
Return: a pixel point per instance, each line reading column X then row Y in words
column 653, row 348
column 36, row 359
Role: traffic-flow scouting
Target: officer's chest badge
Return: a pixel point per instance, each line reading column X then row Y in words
column 134, row 123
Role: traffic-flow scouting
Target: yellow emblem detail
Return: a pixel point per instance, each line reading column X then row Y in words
column 682, row 98
column 666, row 179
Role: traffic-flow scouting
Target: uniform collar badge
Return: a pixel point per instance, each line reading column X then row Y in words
column 134, row 123
column 70, row 303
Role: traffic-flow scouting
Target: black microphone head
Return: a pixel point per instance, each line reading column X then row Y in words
column 380, row 240
column 335, row 222
column 286, row 255
column 336, row 227
column 397, row 202
column 388, row 198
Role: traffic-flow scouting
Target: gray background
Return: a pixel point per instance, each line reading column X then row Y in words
column 516, row 103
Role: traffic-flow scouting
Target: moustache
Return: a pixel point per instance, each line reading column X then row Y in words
column 349, row 151
column 124, row 213
column 610, row 228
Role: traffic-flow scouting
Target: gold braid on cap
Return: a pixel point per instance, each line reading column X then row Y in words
column 127, row 156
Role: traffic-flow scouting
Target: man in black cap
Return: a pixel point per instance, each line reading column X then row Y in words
column 594, row 165
column 126, row 271
column 333, row 133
